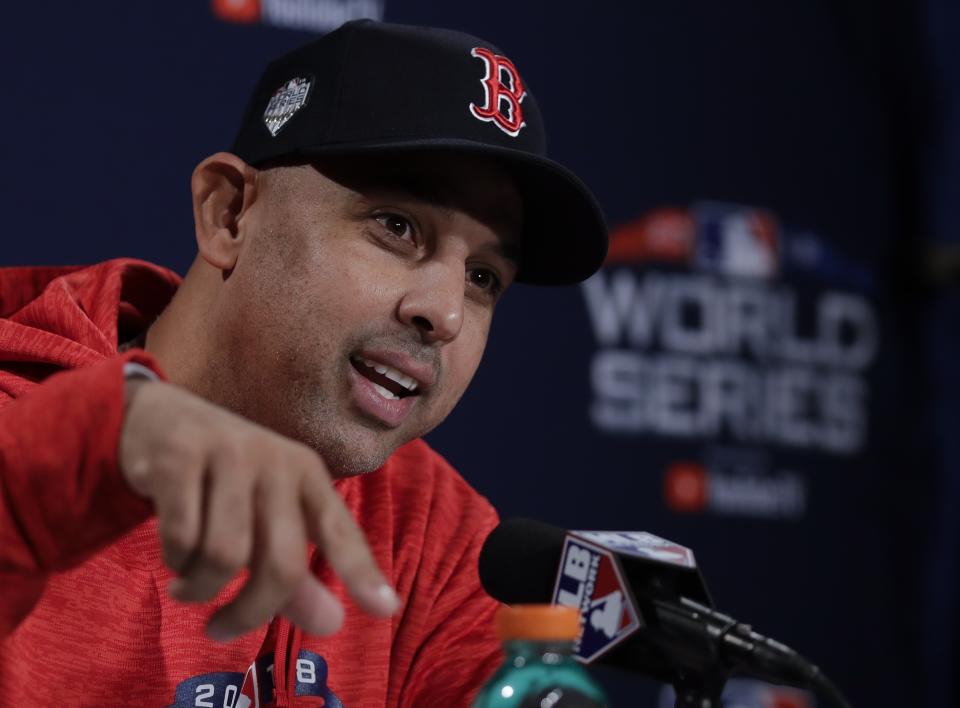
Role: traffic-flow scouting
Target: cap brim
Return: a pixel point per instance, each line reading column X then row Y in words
column 564, row 235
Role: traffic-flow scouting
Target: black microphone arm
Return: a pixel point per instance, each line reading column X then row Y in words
column 735, row 646
column 681, row 640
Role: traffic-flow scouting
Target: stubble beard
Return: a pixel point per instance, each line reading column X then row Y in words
column 319, row 427
column 310, row 404
column 299, row 390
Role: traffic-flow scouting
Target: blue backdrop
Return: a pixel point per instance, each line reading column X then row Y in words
column 751, row 374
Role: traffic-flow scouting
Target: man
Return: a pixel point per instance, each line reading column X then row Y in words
column 199, row 460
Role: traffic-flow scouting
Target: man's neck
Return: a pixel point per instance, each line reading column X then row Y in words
column 180, row 337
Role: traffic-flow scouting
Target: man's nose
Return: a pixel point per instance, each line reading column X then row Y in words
column 433, row 304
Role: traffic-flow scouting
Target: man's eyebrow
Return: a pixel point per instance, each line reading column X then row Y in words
column 433, row 192
column 419, row 187
column 409, row 192
column 508, row 250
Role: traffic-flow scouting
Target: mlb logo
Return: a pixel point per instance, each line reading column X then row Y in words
column 590, row 580
column 737, row 241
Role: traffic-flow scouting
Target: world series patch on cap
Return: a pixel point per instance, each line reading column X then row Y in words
column 372, row 87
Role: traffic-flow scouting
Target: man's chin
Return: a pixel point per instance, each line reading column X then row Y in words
column 349, row 443
column 354, row 467
column 352, row 457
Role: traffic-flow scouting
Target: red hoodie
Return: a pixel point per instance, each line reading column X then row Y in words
column 84, row 617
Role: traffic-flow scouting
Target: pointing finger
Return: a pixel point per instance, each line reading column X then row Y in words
column 314, row 608
column 345, row 548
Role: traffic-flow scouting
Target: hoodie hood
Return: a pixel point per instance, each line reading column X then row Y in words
column 65, row 317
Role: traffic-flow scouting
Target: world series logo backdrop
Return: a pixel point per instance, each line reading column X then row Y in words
column 716, row 327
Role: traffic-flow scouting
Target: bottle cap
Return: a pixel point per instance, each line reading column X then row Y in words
column 538, row 622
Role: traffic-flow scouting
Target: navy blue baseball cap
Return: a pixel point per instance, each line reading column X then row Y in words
column 371, row 87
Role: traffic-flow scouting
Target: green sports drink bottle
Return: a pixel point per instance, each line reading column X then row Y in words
column 539, row 670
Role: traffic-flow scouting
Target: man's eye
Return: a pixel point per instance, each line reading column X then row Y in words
column 397, row 225
column 484, row 279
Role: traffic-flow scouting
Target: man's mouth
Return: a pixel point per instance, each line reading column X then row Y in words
column 388, row 382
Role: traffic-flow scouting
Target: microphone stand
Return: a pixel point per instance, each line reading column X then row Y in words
column 687, row 634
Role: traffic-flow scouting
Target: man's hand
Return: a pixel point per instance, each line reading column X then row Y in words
column 231, row 494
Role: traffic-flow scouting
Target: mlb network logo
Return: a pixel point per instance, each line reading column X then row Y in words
column 590, row 580
column 310, row 15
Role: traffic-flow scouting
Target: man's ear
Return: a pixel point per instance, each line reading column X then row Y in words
column 224, row 188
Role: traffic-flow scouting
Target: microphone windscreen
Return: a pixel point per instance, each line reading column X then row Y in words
column 519, row 561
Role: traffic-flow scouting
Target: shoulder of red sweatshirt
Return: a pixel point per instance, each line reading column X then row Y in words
column 99, row 628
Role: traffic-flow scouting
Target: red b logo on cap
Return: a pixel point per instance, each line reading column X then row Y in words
column 503, row 92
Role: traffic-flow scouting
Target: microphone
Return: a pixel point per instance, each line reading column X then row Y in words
column 644, row 607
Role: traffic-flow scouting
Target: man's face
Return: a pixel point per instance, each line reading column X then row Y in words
column 361, row 300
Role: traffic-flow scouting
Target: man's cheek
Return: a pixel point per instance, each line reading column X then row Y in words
column 456, row 386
